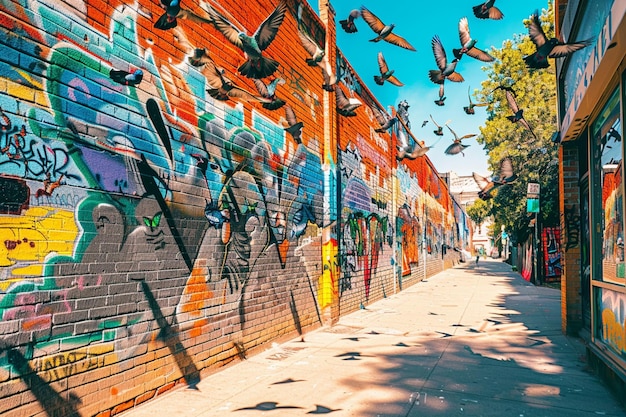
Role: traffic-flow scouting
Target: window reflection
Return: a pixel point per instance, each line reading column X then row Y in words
column 608, row 152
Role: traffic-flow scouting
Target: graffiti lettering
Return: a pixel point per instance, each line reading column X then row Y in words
column 53, row 368
column 34, row 158
column 613, row 330
column 572, row 227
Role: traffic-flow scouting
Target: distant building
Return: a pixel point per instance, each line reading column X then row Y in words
column 465, row 191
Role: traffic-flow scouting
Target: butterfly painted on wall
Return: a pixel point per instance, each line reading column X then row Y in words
column 153, row 222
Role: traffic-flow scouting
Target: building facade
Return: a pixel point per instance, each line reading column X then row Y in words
column 465, row 191
column 592, row 101
column 171, row 201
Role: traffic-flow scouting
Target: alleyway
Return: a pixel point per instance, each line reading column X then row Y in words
column 475, row 340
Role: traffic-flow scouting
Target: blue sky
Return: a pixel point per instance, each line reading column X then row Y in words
column 418, row 22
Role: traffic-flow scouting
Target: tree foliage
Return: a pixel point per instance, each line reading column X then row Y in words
column 479, row 211
column 534, row 159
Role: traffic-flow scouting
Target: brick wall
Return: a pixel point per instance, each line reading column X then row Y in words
column 158, row 227
column 571, row 304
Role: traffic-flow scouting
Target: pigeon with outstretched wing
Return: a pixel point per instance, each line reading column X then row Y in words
column 487, row 10
column 268, row 91
column 446, row 70
column 385, row 73
column 384, row 32
column 439, row 130
column 469, row 109
column 504, row 176
column 256, row 65
column 548, row 47
column 518, row 114
column 173, row 12
column 457, row 145
column 346, row 106
column 348, row 24
column 294, row 127
column 317, row 57
column 468, row 45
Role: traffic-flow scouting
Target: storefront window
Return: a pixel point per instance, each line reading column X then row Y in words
column 593, row 18
column 610, row 320
column 607, row 160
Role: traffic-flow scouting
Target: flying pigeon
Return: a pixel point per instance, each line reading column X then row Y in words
column 294, row 127
column 348, row 24
column 346, row 106
column 385, row 73
column 316, row 53
column 405, row 149
column 487, row 186
column 469, row 109
column 256, row 65
column 330, row 79
column 173, row 12
column 442, row 98
column 199, row 57
column 424, row 122
column 268, row 91
column 548, row 48
column 383, row 31
column 445, row 70
column 411, row 150
column 457, row 145
column 468, row 44
column 126, row 78
column 221, row 88
column 487, row 11
column 385, row 121
column 518, row 114
column 439, row 130
column 317, row 57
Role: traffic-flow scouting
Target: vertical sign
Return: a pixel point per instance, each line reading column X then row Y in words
column 532, row 197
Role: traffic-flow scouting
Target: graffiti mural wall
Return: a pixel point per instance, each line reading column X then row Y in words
column 366, row 230
column 169, row 193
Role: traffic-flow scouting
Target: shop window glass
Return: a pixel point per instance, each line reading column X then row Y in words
column 610, row 316
column 607, row 158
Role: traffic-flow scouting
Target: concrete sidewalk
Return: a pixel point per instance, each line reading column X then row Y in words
column 475, row 340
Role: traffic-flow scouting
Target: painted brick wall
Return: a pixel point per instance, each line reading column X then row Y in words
column 157, row 227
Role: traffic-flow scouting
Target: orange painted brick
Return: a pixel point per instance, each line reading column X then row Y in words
column 122, row 407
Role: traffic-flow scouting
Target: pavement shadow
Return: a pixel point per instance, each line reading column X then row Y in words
column 516, row 363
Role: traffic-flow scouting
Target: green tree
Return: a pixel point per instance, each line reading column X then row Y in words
column 534, row 157
column 479, row 211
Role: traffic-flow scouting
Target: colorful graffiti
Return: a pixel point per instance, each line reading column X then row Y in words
column 107, row 183
column 411, row 232
column 551, row 243
column 362, row 241
column 613, row 309
column 152, row 195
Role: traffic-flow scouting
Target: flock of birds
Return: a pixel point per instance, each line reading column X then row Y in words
column 257, row 66
column 447, row 71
